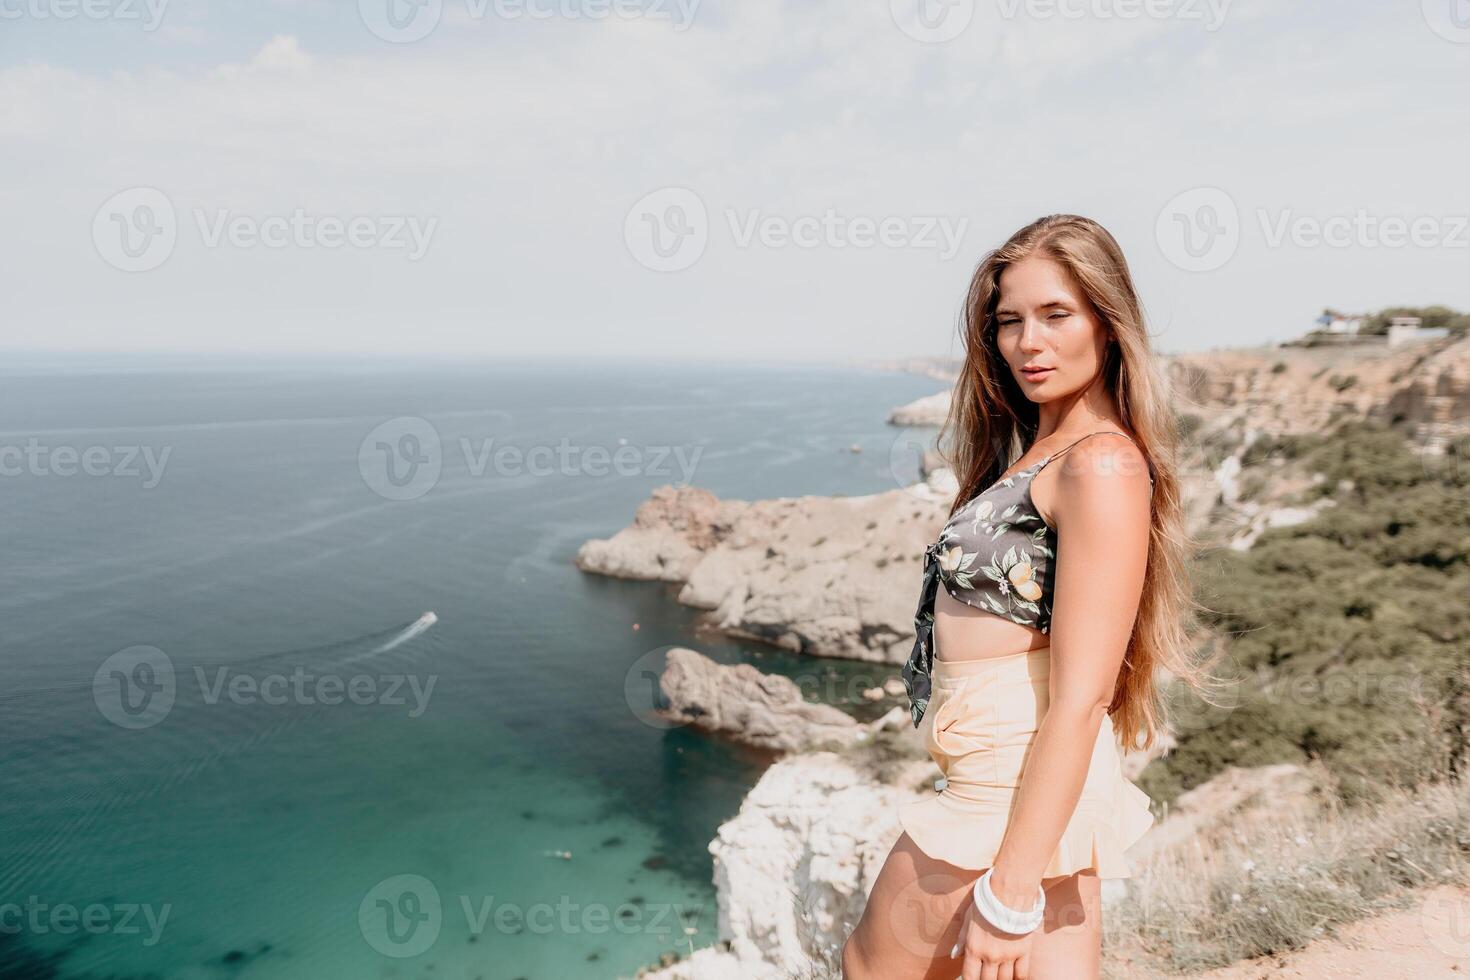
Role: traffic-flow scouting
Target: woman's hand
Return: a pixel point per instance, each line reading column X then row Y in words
column 989, row 953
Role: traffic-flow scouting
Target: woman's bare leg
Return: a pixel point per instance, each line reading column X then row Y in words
column 912, row 919
column 1068, row 946
column 914, row 913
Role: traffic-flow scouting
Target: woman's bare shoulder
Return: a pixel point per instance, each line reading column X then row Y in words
column 1103, row 479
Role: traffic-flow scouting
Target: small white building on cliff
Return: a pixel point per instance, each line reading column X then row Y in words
column 1410, row 330
column 1335, row 322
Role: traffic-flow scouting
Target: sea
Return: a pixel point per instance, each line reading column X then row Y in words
column 301, row 682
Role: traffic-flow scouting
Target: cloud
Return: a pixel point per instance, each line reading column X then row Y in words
column 282, row 53
column 529, row 141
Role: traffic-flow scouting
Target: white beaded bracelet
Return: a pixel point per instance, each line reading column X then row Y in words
column 1002, row 916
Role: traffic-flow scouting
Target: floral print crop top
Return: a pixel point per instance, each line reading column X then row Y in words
column 995, row 554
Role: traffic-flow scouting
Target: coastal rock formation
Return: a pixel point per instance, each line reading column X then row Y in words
column 1284, row 390
column 946, row 369
column 826, row 576
column 671, row 533
column 1435, row 394
column 738, row 701
column 934, row 469
column 1289, row 389
column 930, row 410
column 794, row 867
column 1238, row 396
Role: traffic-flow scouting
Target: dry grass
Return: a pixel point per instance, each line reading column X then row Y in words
column 1283, row 882
column 828, row 967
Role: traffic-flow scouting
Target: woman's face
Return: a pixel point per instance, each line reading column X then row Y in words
column 1049, row 335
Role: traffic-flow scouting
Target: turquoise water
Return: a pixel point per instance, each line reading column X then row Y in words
column 492, row 801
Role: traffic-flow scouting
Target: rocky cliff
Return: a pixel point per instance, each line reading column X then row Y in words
column 764, row 710
column 1297, row 389
column 793, row 869
column 826, row 576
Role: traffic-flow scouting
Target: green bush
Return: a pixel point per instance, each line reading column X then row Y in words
column 1351, row 632
column 1432, row 316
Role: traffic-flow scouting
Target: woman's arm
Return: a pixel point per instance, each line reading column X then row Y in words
column 1102, row 517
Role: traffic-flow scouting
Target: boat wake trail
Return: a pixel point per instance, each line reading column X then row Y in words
column 418, row 627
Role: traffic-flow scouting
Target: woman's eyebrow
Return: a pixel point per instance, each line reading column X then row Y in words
column 1047, row 305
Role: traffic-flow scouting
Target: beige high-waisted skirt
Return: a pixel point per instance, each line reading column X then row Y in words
column 982, row 718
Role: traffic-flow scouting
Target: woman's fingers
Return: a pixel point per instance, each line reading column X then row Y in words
column 989, row 960
column 980, row 966
column 973, row 965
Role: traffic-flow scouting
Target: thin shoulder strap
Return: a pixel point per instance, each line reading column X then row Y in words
column 1088, row 436
column 1099, row 432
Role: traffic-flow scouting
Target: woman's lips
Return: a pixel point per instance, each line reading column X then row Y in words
column 1037, row 375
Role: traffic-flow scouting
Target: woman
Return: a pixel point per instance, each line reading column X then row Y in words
column 1037, row 658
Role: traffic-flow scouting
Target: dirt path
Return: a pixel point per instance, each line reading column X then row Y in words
column 1429, row 941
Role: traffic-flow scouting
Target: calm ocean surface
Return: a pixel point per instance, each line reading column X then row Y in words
column 233, row 746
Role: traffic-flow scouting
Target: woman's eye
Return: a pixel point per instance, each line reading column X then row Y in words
column 1059, row 315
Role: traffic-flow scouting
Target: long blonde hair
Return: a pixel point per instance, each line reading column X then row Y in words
column 993, row 424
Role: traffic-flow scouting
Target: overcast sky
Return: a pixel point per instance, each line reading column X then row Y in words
column 810, row 179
